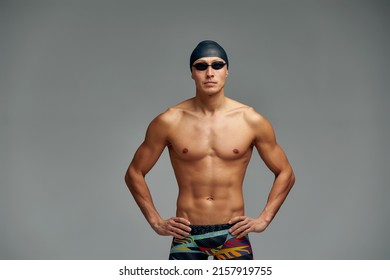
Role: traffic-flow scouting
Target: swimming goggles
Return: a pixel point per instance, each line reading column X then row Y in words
column 216, row 65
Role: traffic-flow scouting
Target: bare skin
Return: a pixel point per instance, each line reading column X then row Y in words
column 210, row 139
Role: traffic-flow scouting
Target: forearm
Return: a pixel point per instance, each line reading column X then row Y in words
column 138, row 187
column 281, row 187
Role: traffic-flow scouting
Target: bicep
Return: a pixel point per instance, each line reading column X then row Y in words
column 273, row 156
column 269, row 150
column 146, row 157
column 151, row 149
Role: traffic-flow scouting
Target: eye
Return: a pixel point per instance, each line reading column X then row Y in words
column 218, row 65
column 201, row 66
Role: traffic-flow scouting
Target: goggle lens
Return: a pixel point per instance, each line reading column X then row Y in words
column 216, row 65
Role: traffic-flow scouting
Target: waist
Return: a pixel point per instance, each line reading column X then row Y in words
column 205, row 205
column 210, row 213
column 203, row 229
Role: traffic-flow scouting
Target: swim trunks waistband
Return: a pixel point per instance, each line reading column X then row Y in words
column 202, row 229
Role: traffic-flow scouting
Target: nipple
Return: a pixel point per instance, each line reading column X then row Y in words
column 185, row 150
column 236, row 151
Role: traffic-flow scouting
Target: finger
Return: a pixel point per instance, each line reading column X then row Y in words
column 184, row 228
column 236, row 219
column 238, row 231
column 242, row 235
column 242, row 228
column 182, row 220
column 178, row 236
column 177, row 229
column 178, row 233
column 181, row 223
column 236, row 222
column 245, row 231
column 238, row 225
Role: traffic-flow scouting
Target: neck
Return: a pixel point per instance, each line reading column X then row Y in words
column 209, row 104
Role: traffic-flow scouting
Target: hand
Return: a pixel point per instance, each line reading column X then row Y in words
column 175, row 226
column 244, row 225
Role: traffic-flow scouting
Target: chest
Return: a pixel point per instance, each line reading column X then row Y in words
column 226, row 139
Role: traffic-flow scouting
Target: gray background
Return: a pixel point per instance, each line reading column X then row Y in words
column 81, row 80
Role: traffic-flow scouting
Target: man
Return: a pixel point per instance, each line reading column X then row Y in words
column 210, row 139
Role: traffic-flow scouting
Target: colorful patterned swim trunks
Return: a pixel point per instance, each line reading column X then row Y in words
column 211, row 240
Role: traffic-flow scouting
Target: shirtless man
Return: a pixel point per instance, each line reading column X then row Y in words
column 210, row 139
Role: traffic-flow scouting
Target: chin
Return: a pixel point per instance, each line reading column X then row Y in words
column 212, row 91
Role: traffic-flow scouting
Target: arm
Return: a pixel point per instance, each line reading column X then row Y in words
column 144, row 159
column 276, row 160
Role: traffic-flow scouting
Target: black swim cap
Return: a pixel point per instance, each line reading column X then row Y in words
column 208, row 48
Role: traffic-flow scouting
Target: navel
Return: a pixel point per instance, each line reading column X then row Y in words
column 185, row 150
column 236, row 151
column 210, row 198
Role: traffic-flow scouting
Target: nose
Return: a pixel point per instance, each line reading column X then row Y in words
column 209, row 71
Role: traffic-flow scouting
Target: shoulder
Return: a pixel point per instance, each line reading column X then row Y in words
column 254, row 118
column 165, row 120
column 160, row 127
column 171, row 116
column 260, row 125
column 250, row 115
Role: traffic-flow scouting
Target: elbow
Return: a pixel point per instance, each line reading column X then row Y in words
column 286, row 176
column 130, row 177
column 291, row 179
column 127, row 178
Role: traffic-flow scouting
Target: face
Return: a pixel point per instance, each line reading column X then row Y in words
column 211, row 80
